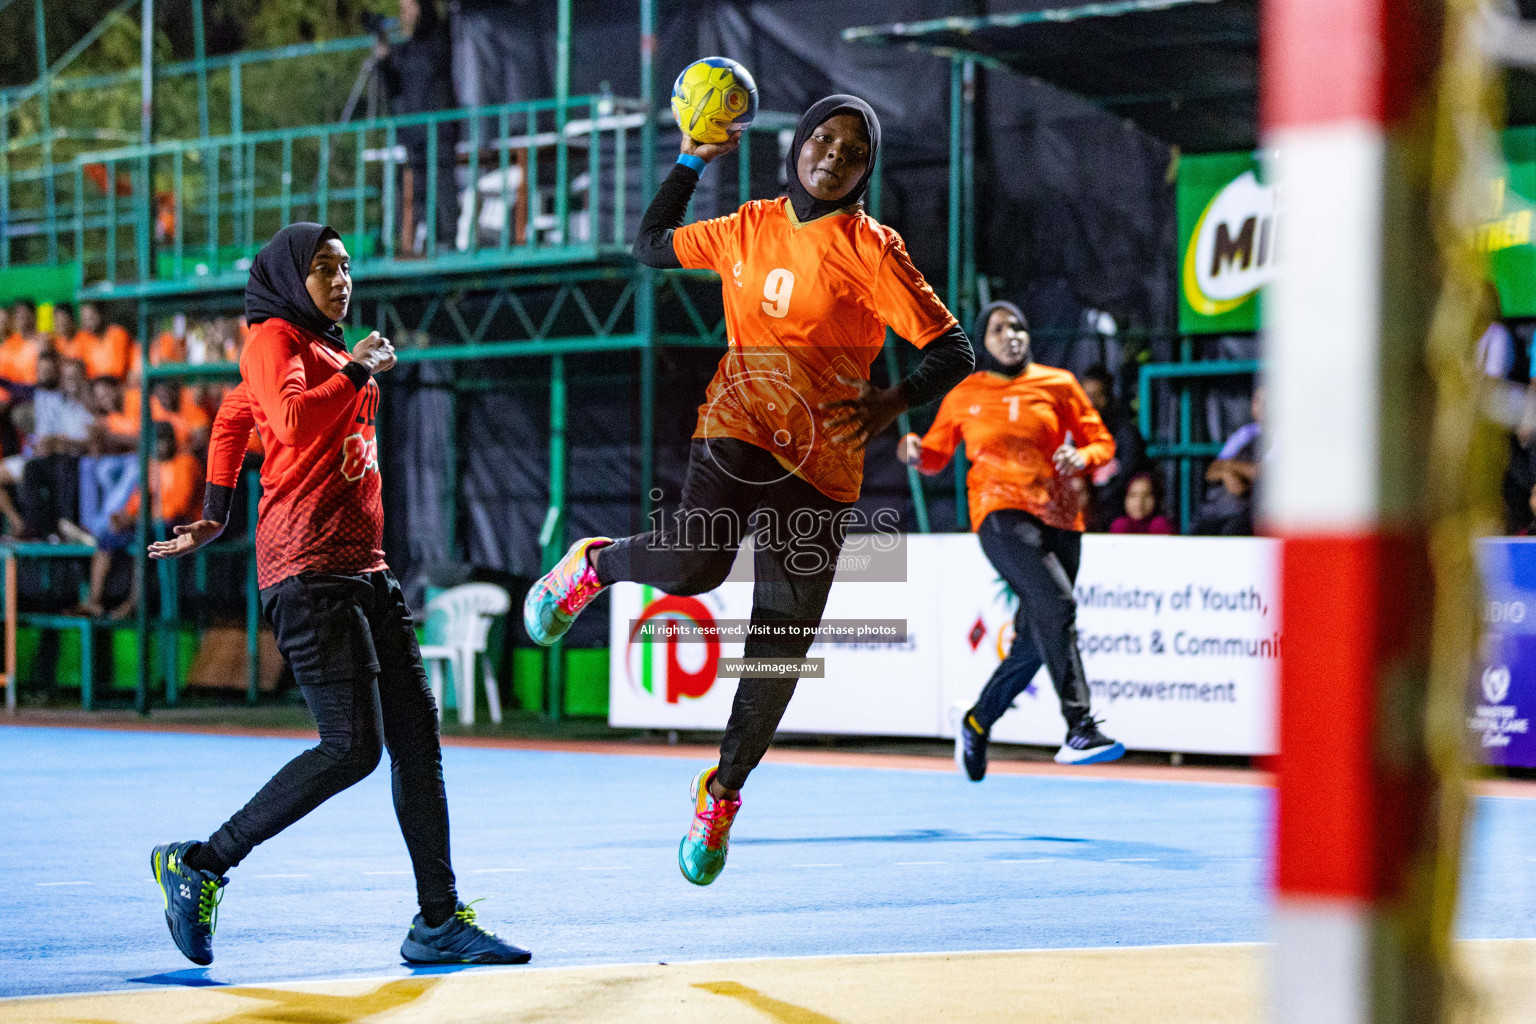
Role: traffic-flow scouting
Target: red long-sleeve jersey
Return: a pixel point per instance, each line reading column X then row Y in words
column 230, row 437
column 321, row 507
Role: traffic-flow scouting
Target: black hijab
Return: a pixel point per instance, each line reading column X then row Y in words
column 808, row 207
column 275, row 289
column 986, row 360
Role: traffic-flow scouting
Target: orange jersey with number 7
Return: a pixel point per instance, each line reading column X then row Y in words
column 321, row 506
column 804, row 304
column 1012, row 428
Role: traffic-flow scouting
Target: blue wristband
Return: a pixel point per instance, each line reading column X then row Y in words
column 689, row 160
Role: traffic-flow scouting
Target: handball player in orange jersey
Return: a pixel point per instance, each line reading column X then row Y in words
column 810, row 283
column 338, row 613
column 1031, row 435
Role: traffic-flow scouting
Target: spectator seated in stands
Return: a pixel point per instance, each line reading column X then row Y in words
column 21, row 348
column 1227, row 510
column 171, row 345
column 1529, row 529
column 176, row 484
column 105, row 352
column 1141, row 513
column 19, row 418
column 62, row 336
column 50, row 485
column 1111, row 480
column 173, row 403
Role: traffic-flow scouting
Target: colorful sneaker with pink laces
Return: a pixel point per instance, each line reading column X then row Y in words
column 554, row 602
column 701, row 855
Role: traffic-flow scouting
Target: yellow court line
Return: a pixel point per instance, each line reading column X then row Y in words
column 1216, row 984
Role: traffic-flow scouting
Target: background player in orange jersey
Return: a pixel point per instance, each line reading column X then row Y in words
column 810, row 283
column 1031, row 434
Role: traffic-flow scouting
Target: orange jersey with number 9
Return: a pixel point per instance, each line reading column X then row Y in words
column 804, row 304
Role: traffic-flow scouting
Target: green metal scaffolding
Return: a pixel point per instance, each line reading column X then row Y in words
column 229, row 191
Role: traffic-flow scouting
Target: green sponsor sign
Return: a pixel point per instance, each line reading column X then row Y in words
column 1505, row 233
column 1229, row 239
column 1227, row 242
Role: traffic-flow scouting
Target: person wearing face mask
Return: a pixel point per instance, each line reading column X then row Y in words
column 337, row 611
column 810, row 283
column 1031, row 434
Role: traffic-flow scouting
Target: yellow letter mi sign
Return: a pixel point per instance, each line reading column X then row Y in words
column 1228, row 240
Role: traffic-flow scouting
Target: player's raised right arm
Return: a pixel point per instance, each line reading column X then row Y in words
column 653, row 245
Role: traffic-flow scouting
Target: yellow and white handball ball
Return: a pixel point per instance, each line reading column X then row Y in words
column 712, row 98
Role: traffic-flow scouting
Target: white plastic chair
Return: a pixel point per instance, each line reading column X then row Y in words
column 465, row 613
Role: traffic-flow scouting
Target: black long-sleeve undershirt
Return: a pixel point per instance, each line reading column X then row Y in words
column 947, row 359
column 653, row 245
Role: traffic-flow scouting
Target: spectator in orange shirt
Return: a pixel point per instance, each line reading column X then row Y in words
column 105, row 353
column 172, row 403
column 63, row 338
column 19, row 352
column 115, row 431
column 171, row 345
column 176, row 485
column 1030, row 432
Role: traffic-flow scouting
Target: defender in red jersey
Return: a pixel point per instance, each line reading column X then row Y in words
column 336, row 609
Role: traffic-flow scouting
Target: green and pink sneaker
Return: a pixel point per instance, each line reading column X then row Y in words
column 559, row 596
column 701, row 855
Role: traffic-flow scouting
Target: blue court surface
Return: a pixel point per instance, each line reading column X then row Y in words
column 575, row 855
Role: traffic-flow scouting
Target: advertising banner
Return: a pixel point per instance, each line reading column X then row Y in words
column 1228, row 234
column 1502, row 697
column 1231, row 238
column 1179, row 637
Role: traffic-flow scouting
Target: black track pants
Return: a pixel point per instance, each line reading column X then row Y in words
column 797, row 536
column 1039, row 563
column 352, row 647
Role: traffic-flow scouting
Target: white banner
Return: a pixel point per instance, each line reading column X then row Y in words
column 1179, row 636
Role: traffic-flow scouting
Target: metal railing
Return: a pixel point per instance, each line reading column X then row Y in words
column 1183, row 377
column 546, row 182
column 35, row 163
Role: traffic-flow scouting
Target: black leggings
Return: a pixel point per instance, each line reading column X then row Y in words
column 1039, row 563
column 797, row 536
column 352, row 647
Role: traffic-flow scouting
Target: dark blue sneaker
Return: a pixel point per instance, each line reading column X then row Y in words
column 458, row 940
column 970, row 744
column 191, row 900
column 1086, row 744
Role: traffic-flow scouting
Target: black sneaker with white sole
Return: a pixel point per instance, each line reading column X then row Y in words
column 970, row 745
column 1087, row 745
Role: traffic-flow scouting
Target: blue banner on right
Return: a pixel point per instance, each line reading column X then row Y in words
column 1502, row 697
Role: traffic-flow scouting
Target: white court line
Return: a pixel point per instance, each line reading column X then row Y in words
column 617, row 867
column 47, row 884
column 1132, row 860
column 386, row 872
column 915, row 863
column 281, row 876
column 494, row 871
column 815, row 865
column 1026, row 860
